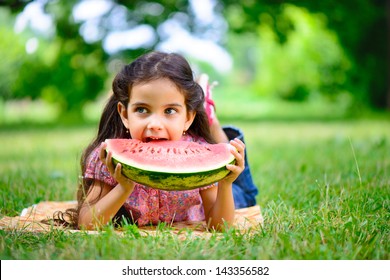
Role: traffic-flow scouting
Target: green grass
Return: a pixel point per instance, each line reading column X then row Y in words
column 324, row 184
column 324, row 193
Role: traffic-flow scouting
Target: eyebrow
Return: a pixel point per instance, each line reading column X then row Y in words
column 167, row 105
column 139, row 104
column 174, row 105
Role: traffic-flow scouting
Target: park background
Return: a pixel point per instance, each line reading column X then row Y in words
column 307, row 81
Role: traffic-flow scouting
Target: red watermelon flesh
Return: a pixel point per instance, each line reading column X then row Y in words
column 171, row 164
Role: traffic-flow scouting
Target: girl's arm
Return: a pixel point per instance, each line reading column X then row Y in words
column 218, row 202
column 96, row 214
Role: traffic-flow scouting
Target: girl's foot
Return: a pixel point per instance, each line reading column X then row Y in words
column 209, row 104
column 215, row 128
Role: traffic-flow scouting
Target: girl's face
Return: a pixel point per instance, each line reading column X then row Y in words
column 156, row 111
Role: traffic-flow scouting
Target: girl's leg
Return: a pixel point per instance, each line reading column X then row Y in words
column 218, row 133
column 244, row 190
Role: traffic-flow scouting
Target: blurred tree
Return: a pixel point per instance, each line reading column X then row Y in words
column 362, row 27
column 12, row 49
column 78, row 65
column 71, row 65
column 61, row 68
column 309, row 61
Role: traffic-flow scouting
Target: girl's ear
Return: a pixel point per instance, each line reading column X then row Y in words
column 190, row 118
column 122, row 110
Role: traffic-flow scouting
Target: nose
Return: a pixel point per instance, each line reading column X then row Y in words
column 155, row 123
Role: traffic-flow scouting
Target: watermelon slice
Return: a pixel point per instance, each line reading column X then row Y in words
column 171, row 165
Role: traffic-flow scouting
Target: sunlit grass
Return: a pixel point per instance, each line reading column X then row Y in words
column 324, row 193
column 39, row 164
column 37, row 111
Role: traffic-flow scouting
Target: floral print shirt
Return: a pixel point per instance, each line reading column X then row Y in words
column 150, row 206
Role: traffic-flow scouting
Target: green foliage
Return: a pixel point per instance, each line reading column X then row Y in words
column 359, row 26
column 13, row 54
column 308, row 61
column 63, row 69
column 290, row 49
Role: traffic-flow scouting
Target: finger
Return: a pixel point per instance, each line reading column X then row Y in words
column 109, row 163
column 239, row 154
column 241, row 151
column 232, row 167
column 239, row 161
column 235, row 171
column 238, row 144
column 118, row 170
column 103, row 152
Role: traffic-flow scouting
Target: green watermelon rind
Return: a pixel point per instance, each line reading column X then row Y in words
column 173, row 181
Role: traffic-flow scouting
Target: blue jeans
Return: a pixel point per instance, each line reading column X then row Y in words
column 244, row 190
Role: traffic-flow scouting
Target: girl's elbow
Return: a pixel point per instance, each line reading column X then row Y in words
column 86, row 223
column 89, row 225
column 220, row 225
column 83, row 224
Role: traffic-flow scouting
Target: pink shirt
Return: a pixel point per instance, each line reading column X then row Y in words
column 150, row 206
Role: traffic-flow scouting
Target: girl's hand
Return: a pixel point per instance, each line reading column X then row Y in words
column 239, row 154
column 115, row 171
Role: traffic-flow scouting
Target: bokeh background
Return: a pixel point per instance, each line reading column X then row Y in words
column 278, row 59
column 307, row 82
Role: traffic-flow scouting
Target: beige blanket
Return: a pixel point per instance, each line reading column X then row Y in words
column 246, row 220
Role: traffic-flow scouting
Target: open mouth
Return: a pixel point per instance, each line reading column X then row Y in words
column 150, row 139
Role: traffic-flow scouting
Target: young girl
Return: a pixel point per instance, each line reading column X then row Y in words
column 156, row 98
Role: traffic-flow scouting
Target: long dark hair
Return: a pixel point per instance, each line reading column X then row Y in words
column 146, row 68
